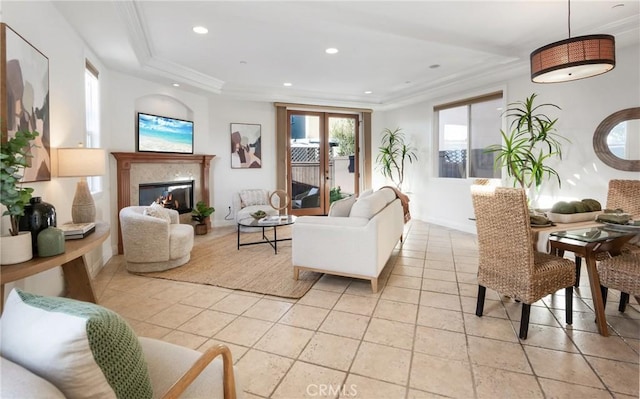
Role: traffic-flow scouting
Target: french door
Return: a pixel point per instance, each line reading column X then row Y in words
column 322, row 160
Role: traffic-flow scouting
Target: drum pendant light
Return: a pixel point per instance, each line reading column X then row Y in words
column 573, row 58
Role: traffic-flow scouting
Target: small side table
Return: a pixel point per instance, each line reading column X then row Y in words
column 587, row 243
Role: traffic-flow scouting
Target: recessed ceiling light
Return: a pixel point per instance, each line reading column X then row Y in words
column 176, row 85
column 287, row 84
column 434, row 66
column 331, row 50
column 618, row 5
column 368, row 92
column 243, row 62
column 201, row 30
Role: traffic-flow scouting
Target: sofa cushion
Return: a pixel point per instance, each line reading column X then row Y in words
column 157, row 211
column 253, row 197
column 369, row 206
column 82, row 348
column 20, row 383
column 342, row 207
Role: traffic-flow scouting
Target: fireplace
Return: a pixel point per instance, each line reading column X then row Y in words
column 176, row 195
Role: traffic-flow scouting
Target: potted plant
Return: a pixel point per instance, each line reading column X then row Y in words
column 201, row 212
column 394, row 152
column 531, row 143
column 14, row 158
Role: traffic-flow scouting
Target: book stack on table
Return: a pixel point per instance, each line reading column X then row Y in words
column 75, row 231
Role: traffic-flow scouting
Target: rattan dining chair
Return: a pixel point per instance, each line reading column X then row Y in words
column 620, row 273
column 625, row 195
column 508, row 263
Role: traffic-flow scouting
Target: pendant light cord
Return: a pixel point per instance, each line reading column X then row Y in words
column 569, row 17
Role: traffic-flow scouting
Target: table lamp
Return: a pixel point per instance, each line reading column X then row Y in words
column 82, row 162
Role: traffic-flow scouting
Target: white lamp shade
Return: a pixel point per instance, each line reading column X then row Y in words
column 81, row 162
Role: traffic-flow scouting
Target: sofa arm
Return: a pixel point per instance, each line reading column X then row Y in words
column 173, row 215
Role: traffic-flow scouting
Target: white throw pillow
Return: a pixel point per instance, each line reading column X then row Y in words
column 253, row 197
column 341, row 208
column 368, row 206
column 366, row 193
column 157, row 211
column 85, row 350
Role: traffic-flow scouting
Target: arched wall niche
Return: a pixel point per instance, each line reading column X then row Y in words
column 163, row 105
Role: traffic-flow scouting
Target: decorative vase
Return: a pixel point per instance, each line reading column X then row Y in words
column 16, row 249
column 38, row 215
column 50, row 242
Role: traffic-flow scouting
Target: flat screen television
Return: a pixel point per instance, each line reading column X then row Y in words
column 163, row 134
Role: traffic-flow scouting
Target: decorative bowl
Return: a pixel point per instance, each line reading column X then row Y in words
column 259, row 215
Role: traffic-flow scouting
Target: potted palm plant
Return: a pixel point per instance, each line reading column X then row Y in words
column 200, row 214
column 14, row 158
column 532, row 142
column 394, row 152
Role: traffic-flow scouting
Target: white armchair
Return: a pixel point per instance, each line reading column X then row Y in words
column 56, row 347
column 246, row 202
column 154, row 243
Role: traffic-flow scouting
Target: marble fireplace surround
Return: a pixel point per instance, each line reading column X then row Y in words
column 134, row 168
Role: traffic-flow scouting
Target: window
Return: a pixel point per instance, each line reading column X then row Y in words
column 92, row 111
column 465, row 129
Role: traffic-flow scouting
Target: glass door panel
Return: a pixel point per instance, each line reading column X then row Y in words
column 343, row 166
column 306, row 163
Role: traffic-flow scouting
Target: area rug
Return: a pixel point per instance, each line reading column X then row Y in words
column 253, row 268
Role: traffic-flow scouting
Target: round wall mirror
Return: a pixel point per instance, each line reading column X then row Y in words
column 616, row 140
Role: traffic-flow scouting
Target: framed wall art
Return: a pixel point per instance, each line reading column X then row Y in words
column 24, row 95
column 246, row 146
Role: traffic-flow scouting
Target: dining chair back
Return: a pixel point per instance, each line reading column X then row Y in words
column 508, row 263
column 625, row 195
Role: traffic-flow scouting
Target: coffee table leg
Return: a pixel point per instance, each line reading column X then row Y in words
column 238, row 237
column 275, row 239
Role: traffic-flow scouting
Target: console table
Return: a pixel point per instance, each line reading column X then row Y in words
column 76, row 276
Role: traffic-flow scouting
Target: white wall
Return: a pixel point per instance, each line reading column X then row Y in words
column 226, row 181
column 66, row 53
column 585, row 103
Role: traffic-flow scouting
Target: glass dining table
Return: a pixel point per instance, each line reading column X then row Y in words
column 586, row 243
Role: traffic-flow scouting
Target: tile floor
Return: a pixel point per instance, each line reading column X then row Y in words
column 418, row 337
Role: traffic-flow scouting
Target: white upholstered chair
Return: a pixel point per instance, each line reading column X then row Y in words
column 154, row 243
column 58, row 347
column 246, row 202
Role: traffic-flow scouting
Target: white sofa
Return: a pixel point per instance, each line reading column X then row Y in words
column 153, row 243
column 355, row 242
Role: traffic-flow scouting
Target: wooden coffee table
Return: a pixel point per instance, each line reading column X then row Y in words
column 277, row 221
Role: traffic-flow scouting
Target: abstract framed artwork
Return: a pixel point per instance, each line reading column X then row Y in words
column 246, row 146
column 24, row 91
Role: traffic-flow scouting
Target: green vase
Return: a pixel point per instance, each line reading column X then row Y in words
column 50, row 242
